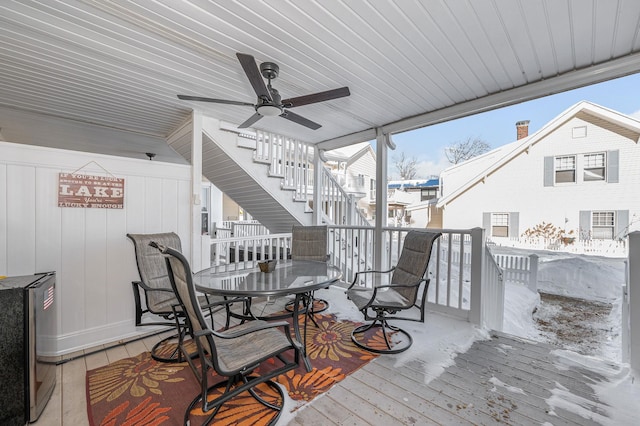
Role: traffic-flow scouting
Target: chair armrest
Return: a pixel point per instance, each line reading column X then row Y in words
column 262, row 326
column 391, row 286
column 257, row 326
column 147, row 288
column 355, row 278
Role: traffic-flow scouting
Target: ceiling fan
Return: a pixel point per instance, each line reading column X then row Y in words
column 270, row 103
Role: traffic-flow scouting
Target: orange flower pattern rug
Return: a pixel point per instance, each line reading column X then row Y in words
column 142, row 391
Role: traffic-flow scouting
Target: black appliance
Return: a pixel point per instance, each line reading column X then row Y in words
column 28, row 336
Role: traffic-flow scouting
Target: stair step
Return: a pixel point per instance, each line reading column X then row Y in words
column 261, row 160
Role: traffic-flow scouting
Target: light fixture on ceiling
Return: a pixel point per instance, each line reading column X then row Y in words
column 150, row 155
column 269, row 110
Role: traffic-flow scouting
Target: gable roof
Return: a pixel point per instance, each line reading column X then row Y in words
column 349, row 153
column 484, row 165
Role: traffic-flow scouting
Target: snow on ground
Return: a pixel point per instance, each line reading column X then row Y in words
column 586, row 277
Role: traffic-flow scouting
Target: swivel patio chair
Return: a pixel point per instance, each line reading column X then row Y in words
column 159, row 297
column 236, row 353
column 310, row 243
column 385, row 293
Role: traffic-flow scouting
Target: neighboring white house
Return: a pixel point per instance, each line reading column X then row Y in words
column 412, row 203
column 354, row 167
column 580, row 172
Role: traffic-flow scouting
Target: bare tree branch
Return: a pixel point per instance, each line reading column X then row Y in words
column 406, row 167
column 462, row 151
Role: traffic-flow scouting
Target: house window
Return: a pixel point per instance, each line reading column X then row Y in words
column 566, row 169
column 428, row 194
column 603, row 225
column 500, row 224
column 360, row 181
column 594, row 167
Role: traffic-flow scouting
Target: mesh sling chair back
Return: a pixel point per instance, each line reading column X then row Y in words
column 159, row 296
column 235, row 353
column 386, row 293
column 310, row 243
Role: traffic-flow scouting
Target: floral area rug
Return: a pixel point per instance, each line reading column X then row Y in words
column 142, row 391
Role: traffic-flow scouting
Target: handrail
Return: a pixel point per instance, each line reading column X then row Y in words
column 338, row 206
column 292, row 160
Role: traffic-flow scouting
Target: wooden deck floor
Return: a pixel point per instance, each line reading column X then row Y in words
column 501, row 380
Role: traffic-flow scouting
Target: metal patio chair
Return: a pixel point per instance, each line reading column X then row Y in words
column 386, row 293
column 159, row 296
column 310, row 243
column 236, row 353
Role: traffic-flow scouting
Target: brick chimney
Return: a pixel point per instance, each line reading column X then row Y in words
column 522, row 129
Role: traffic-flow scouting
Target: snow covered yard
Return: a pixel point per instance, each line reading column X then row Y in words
column 581, row 301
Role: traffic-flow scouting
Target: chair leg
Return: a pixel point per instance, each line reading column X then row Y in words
column 175, row 354
column 230, row 393
column 386, row 329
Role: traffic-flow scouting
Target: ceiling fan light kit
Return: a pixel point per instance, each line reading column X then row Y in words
column 268, row 110
column 270, row 103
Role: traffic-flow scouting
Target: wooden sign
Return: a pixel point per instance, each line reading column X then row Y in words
column 97, row 192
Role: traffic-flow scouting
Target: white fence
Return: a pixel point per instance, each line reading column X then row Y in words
column 519, row 269
column 611, row 248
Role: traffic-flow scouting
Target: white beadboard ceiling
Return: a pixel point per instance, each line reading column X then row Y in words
column 407, row 63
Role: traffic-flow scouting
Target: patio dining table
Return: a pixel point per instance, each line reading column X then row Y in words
column 293, row 277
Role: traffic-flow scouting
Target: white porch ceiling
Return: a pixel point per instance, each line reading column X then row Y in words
column 408, row 64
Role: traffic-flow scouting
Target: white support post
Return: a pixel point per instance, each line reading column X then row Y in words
column 317, row 187
column 633, row 289
column 382, row 141
column 196, row 191
column 477, row 276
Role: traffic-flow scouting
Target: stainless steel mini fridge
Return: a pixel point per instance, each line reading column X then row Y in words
column 28, row 336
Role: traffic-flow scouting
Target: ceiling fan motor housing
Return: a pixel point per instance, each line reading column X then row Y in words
column 269, row 70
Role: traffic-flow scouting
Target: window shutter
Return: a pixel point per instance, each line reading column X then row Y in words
column 514, row 225
column 548, row 171
column 621, row 224
column 613, row 160
column 486, row 223
column 585, row 224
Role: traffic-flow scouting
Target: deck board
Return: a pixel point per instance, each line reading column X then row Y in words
column 504, row 379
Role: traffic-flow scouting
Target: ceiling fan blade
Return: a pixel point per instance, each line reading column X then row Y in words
column 219, row 101
column 255, row 117
column 253, row 74
column 300, row 120
column 316, row 97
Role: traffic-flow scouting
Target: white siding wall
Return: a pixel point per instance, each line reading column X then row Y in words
column 518, row 185
column 364, row 165
column 88, row 248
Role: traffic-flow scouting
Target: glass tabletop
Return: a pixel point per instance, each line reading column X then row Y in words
column 289, row 277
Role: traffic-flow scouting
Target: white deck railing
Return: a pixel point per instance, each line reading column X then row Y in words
column 456, row 279
column 493, row 292
column 631, row 312
column 239, row 228
column 236, row 253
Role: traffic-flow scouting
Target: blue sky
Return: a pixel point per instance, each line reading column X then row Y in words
column 498, row 127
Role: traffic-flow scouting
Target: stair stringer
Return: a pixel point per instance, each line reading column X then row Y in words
column 232, row 169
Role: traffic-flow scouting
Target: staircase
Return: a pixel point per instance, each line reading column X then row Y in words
column 270, row 176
